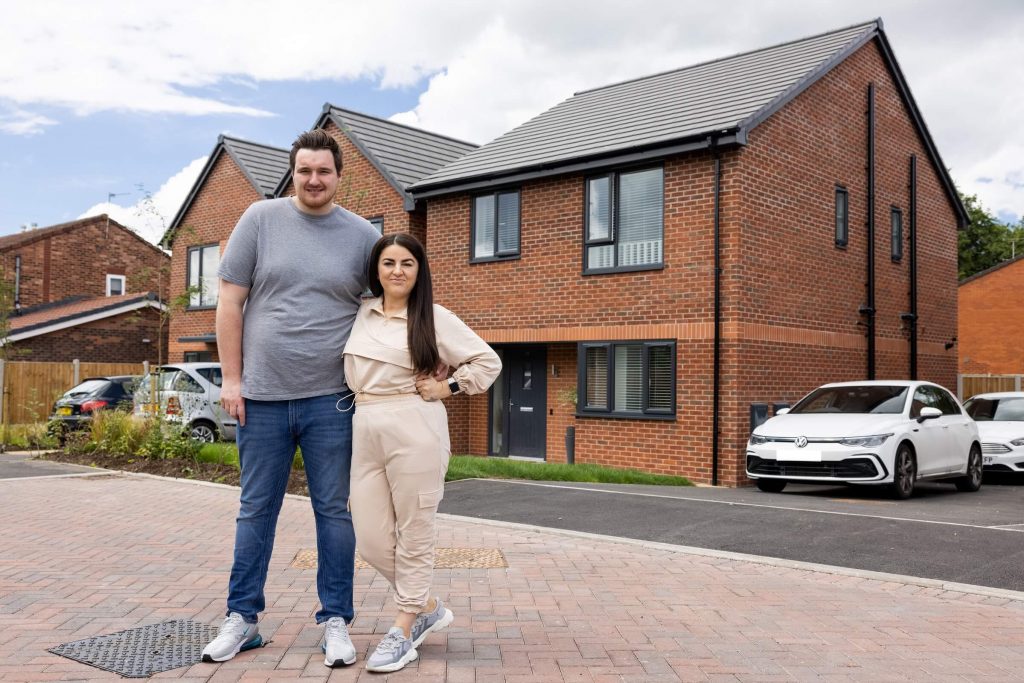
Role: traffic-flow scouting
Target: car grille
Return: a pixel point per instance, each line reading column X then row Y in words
column 851, row 468
column 994, row 448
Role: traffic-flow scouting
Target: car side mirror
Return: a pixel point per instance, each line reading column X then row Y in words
column 929, row 413
column 782, row 411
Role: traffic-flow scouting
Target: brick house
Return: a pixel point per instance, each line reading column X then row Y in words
column 237, row 173
column 677, row 253
column 991, row 307
column 380, row 159
column 87, row 289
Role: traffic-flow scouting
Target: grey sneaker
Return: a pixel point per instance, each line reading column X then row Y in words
column 337, row 647
column 392, row 653
column 431, row 622
column 233, row 636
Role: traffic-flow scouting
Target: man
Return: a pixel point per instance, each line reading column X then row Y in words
column 290, row 284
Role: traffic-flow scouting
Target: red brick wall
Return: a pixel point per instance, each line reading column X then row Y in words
column 992, row 322
column 76, row 262
column 790, row 298
column 118, row 339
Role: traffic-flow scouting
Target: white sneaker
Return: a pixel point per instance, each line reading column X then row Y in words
column 233, row 636
column 338, row 648
column 392, row 653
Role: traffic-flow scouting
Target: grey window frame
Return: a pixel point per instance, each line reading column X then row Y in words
column 842, row 228
column 646, row 412
column 377, row 222
column 188, row 275
column 498, row 254
column 613, row 229
column 896, row 235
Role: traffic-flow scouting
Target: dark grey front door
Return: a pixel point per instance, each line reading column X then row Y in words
column 526, row 400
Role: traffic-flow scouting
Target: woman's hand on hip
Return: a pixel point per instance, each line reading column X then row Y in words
column 431, row 390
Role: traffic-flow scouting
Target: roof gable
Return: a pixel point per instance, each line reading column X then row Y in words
column 998, row 266
column 21, row 239
column 716, row 102
column 401, row 154
column 262, row 165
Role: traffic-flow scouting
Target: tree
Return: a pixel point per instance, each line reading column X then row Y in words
column 985, row 242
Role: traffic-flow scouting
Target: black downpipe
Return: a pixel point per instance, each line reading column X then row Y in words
column 717, row 372
column 869, row 309
column 912, row 229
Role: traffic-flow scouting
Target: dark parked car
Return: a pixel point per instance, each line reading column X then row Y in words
column 77, row 406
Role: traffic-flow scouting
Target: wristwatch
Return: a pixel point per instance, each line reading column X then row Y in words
column 453, row 386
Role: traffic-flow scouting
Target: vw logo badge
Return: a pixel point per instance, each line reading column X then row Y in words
column 801, row 441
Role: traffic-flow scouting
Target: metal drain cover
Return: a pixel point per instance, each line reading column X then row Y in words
column 144, row 651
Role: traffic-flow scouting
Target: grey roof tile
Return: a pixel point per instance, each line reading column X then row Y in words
column 405, row 153
column 264, row 165
column 657, row 110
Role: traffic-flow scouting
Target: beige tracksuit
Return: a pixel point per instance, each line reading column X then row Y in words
column 400, row 444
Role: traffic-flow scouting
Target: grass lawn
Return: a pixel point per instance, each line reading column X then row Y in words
column 471, row 467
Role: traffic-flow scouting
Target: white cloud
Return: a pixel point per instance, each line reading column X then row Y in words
column 150, row 218
column 490, row 66
column 15, row 121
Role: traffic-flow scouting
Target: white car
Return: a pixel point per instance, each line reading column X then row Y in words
column 1000, row 419
column 879, row 432
column 187, row 394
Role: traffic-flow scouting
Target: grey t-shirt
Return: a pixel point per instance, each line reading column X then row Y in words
column 305, row 275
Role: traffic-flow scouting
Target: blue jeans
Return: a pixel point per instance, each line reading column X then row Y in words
column 266, row 447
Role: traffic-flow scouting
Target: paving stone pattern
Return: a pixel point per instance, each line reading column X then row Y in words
column 82, row 557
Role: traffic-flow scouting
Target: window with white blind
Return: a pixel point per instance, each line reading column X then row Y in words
column 627, row 379
column 202, row 275
column 495, row 220
column 624, row 221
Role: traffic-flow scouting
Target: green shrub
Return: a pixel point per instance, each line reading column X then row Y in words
column 126, row 434
column 31, row 436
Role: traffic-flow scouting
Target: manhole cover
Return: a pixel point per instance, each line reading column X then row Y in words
column 141, row 652
column 444, row 558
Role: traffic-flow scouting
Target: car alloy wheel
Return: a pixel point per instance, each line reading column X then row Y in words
column 904, row 472
column 204, row 432
column 971, row 481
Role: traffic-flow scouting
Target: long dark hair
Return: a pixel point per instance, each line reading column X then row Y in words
column 422, row 338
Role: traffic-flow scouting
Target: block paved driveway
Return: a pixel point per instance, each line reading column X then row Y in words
column 82, row 557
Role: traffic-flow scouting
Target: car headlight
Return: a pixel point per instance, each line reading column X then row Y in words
column 865, row 441
column 1018, row 442
column 756, row 440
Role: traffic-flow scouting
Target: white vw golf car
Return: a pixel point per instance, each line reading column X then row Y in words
column 877, row 432
column 1000, row 419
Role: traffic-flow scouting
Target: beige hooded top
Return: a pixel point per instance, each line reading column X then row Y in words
column 377, row 359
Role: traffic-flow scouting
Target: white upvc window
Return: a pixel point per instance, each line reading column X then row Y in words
column 115, row 285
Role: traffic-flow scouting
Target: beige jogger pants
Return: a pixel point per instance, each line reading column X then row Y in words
column 400, row 451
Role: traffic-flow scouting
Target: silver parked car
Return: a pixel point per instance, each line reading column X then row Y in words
column 188, row 394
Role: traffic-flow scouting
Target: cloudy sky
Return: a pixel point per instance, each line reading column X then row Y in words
column 105, row 102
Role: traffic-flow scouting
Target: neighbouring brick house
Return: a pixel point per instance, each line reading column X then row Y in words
column 237, row 173
column 683, row 250
column 88, row 289
column 991, row 324
column 380, row 159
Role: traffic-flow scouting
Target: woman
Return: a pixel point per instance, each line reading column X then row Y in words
column 400, row 443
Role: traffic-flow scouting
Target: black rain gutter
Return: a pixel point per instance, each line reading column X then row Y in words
column 717, row 363
column 522, row 174
column 868, row 311
column 912, row 228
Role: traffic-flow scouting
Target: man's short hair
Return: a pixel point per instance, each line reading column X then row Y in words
column 315, row 139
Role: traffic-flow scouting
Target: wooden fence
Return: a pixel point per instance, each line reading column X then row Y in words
column 30, row 388
column 969, row 385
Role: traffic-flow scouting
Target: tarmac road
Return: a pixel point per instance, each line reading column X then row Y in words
column 974, row 538
column 20, row 465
